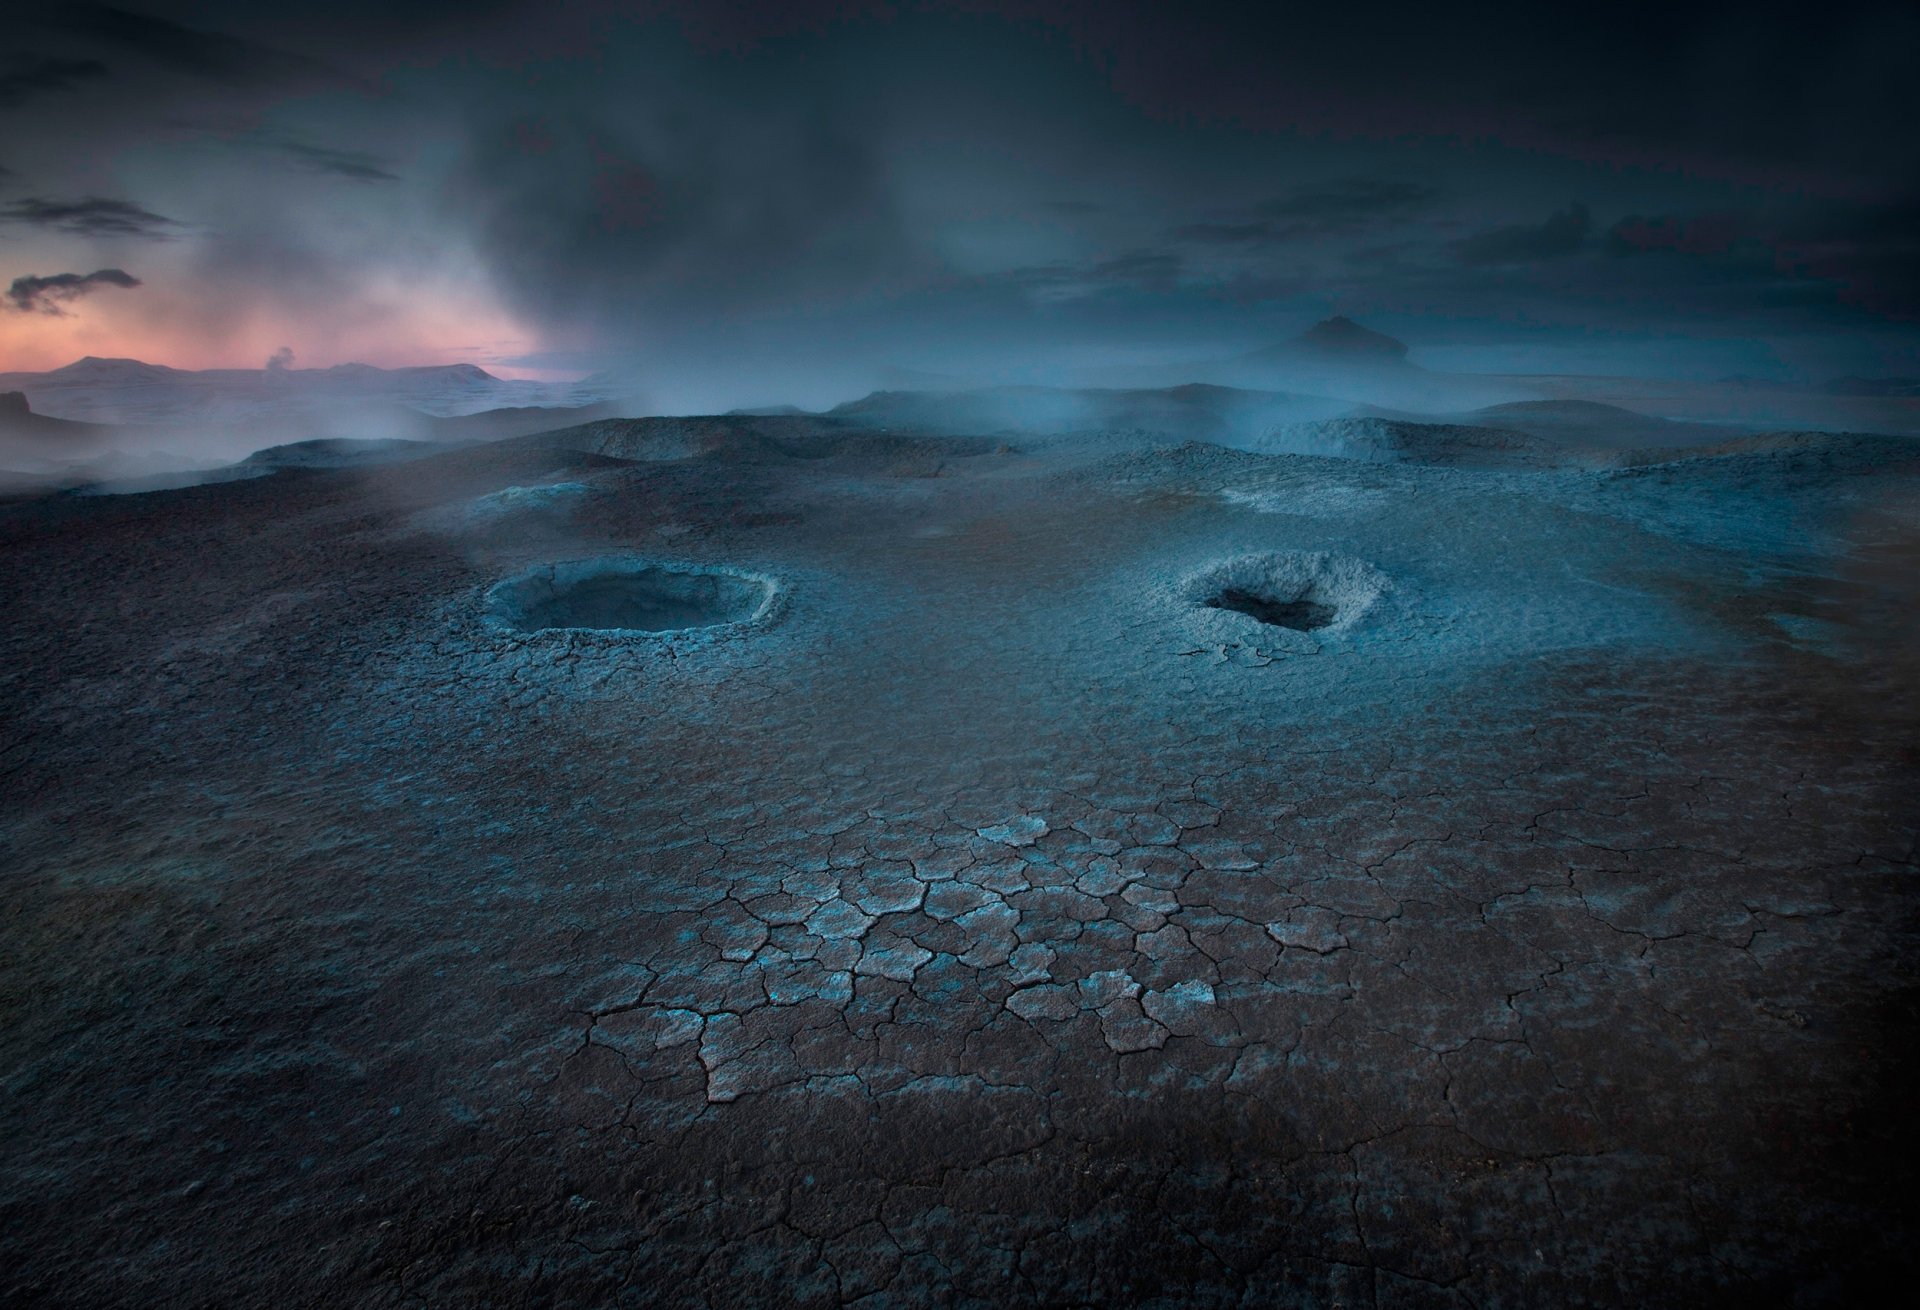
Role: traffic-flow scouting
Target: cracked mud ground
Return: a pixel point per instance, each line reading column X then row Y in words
column 993, row 927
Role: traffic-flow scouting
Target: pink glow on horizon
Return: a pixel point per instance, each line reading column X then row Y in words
column 387, row 337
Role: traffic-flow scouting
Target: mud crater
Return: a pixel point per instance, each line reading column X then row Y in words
column 628, row 596
column 1305, row 613
column 1292, row 591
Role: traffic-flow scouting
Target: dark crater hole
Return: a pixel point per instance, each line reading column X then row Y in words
column 649, row 599
column 1303, row 613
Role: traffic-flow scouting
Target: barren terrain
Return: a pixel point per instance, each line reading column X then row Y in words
column 1093, row 871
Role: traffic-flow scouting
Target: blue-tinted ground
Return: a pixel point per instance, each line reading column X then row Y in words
column 990, row 921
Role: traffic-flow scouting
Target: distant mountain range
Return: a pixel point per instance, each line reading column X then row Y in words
column 131, row 391
column 93, row 370
column 97, row 412
column 202, row 421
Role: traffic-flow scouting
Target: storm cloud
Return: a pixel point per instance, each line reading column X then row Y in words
column 1868, row 256
column 718, row 193
column 737, row 186
column 355, row 165
column 187, row 49
column 1561, row 233
column 1352, row 201
column 27, row 76
column 91, row 216
column 46, row 295
column 1136, row 270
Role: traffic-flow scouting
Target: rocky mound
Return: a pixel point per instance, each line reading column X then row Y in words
column 17, row 419
column 1193, row 412
column 751, row 439
column 1592, row 424
column 1393, row 441
column 1782, row 453
column 340, row 452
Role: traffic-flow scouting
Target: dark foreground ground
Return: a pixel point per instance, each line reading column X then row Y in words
column 988, row 925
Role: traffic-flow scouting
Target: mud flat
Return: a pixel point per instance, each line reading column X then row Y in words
column 829, row 868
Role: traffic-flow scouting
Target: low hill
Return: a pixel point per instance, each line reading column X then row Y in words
column 18, row 421
column 35, row 444
column 1194, row 412
column 1589, row 423
column 1396, row 441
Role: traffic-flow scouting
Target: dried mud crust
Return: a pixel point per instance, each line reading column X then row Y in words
column 945, row 948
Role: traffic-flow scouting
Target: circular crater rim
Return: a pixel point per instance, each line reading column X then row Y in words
column 631, row 598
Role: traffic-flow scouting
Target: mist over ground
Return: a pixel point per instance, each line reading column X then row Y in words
column 977, row 654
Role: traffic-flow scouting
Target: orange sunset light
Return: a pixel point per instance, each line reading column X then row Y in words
column 389, row 331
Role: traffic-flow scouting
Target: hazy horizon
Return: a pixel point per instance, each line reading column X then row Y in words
column 771, row 202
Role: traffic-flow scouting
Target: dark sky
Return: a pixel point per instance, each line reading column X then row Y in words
column 810, row 192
